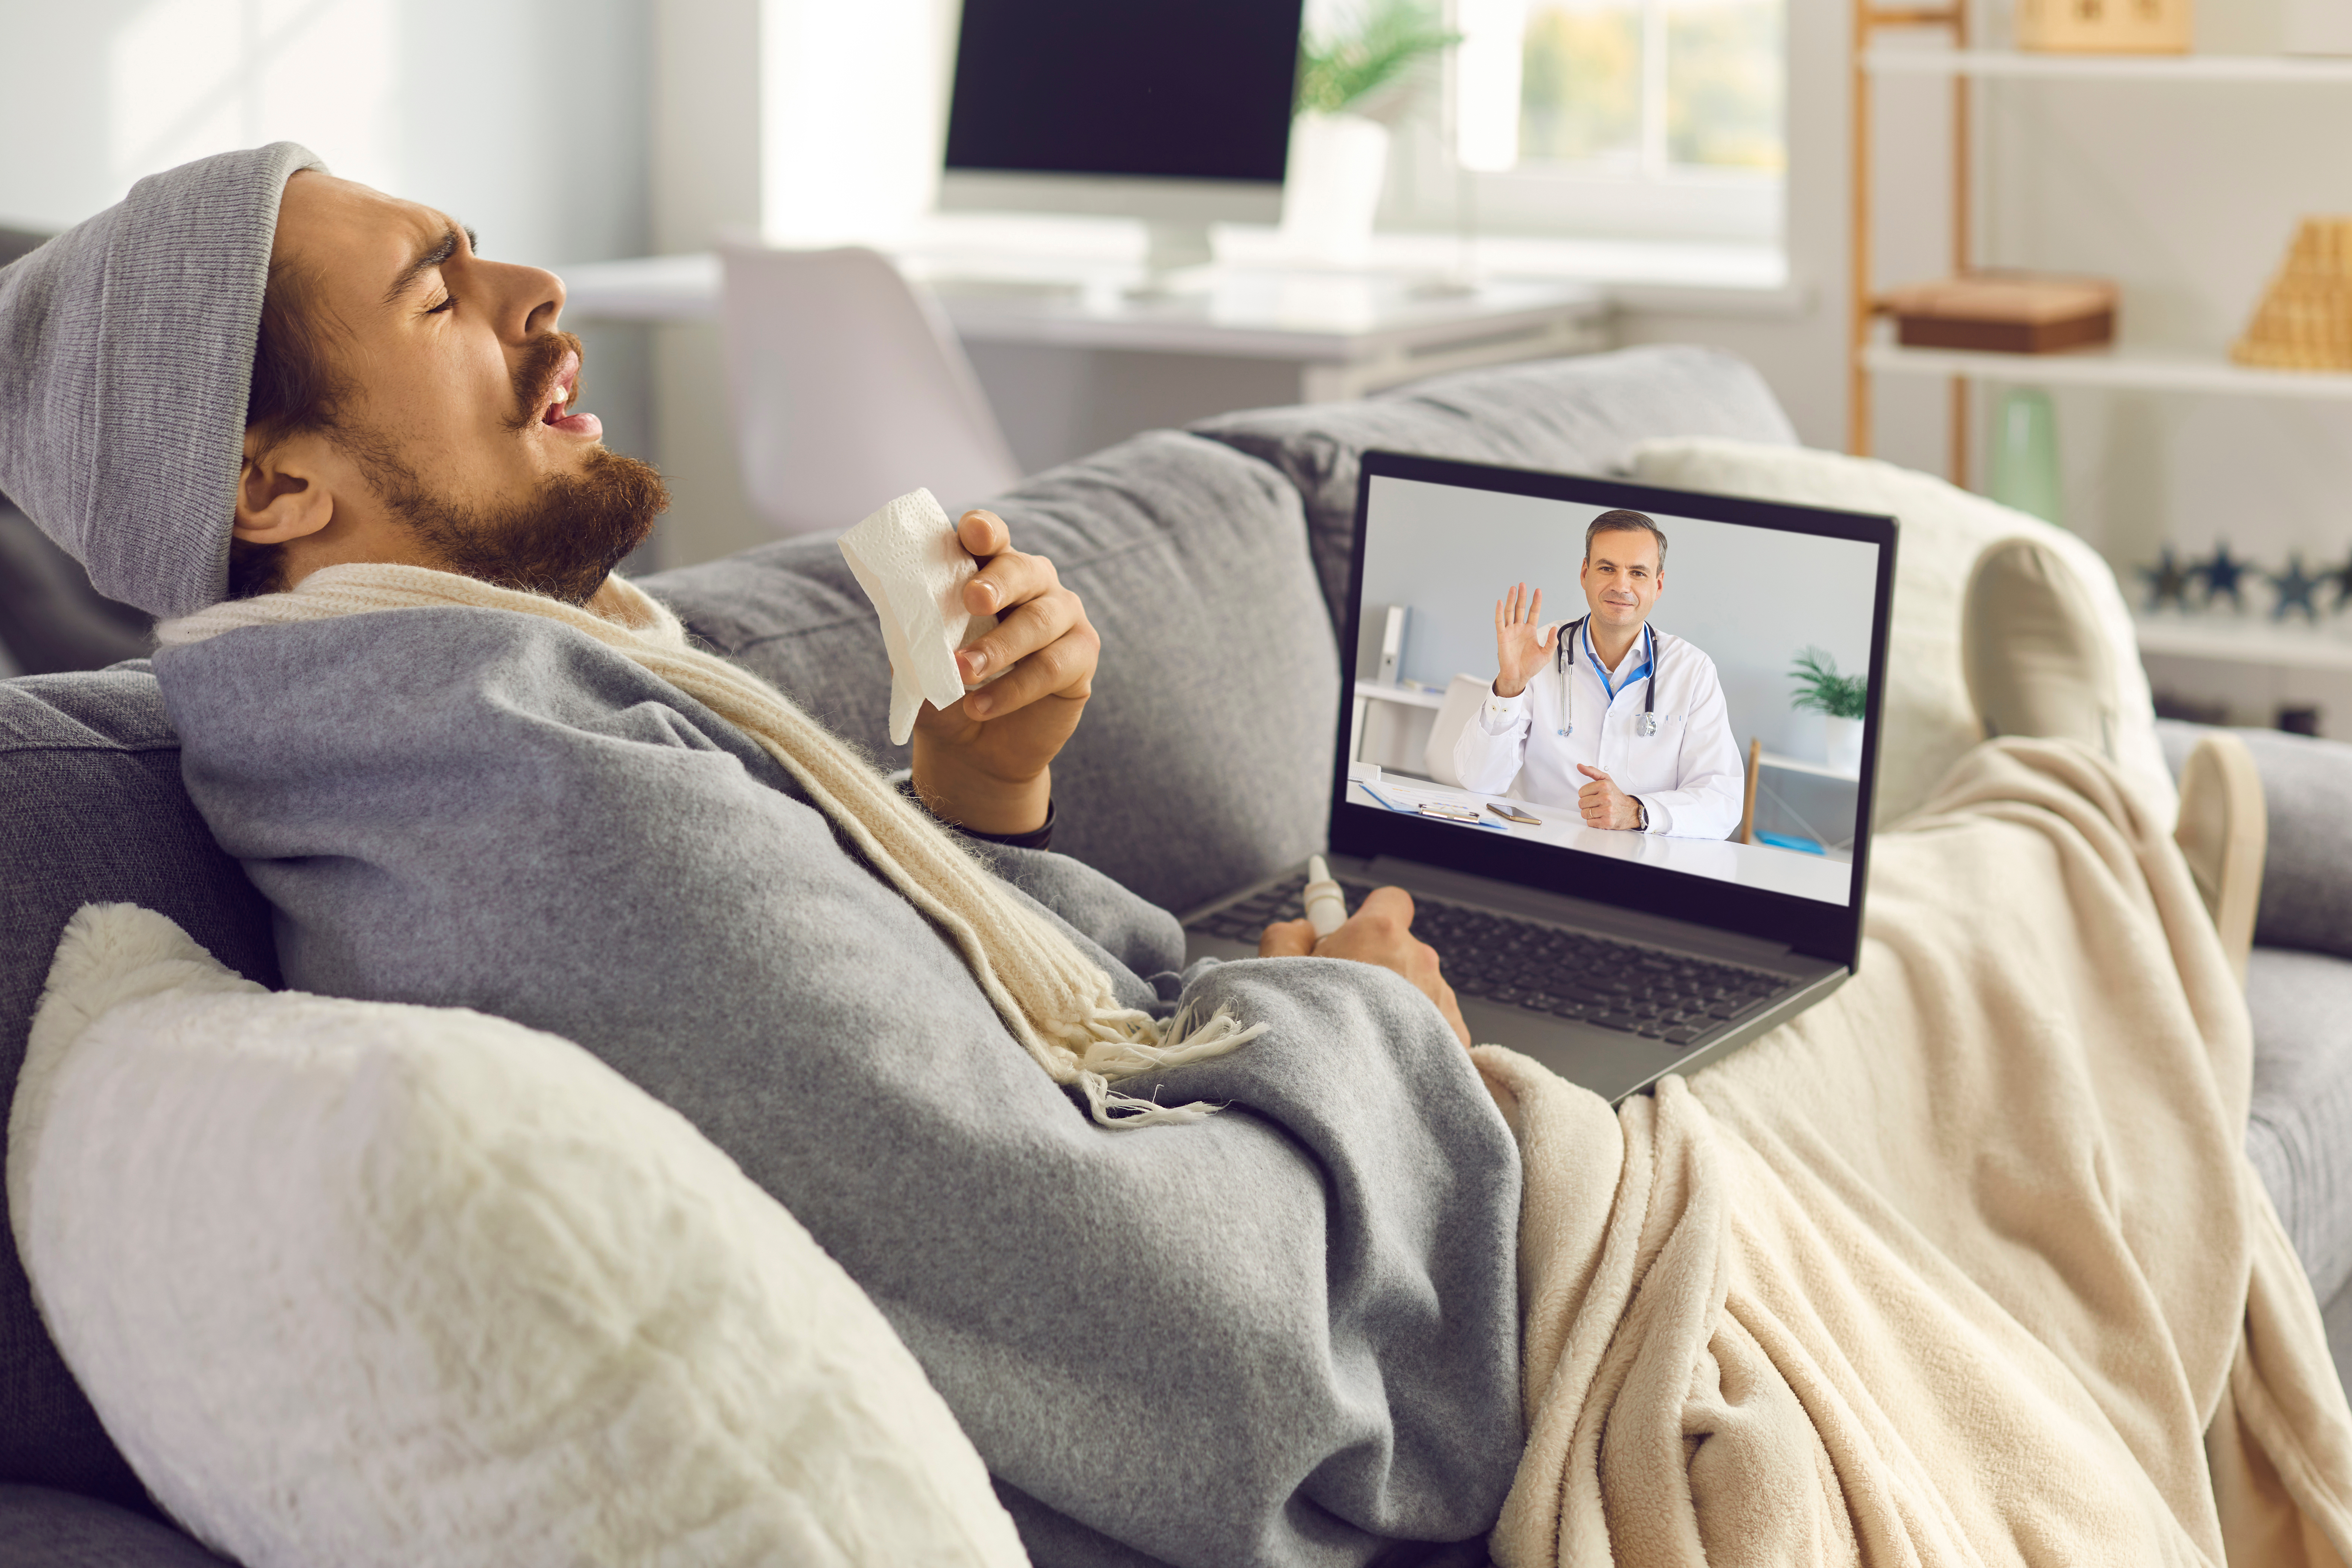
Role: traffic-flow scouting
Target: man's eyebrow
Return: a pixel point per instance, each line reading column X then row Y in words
column 442, row 250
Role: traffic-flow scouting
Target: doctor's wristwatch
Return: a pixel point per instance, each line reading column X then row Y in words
column 1641, row 815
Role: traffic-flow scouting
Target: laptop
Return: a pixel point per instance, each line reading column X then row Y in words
column 1613, row 955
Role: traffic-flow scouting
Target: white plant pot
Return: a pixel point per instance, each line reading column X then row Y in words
column 1337, row 164
column 1843, row 744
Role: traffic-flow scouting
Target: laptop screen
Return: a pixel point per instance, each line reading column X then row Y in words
column 1658, row 699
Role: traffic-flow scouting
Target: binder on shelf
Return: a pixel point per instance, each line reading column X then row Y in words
column 1379, row 643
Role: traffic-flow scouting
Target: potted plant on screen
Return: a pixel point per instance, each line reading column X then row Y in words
column 1354, row 80
column 1840, row 700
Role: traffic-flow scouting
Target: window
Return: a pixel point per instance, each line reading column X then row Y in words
column 1648, row 118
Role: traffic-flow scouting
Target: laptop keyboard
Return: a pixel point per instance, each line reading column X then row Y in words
column 1544, row 969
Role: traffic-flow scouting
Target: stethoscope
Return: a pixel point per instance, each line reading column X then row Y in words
column 1563, row 660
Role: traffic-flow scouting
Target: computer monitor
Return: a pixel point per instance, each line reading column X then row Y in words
column 1175, row 111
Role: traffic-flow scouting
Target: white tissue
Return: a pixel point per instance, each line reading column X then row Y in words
column 908, row 561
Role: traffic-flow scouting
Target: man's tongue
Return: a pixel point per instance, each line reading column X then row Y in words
column 578, row 423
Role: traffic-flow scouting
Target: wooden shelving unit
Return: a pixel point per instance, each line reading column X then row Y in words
column 1873, row 352
column 2244, row 644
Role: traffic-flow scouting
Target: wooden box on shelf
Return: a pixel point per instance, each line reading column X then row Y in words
column 2004, row 312
column 2104, row 26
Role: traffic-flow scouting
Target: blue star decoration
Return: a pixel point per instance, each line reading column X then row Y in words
column 2340, row 579
column 2167, row 582
column 2221, row 572
column 2295, row 590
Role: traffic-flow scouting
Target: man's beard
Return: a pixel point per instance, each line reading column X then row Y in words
column 564, row 539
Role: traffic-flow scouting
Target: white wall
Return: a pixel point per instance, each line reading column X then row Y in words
column 1748, row 598
column 705, row 162
column 527, row 121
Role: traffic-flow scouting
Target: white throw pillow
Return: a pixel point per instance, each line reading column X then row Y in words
column 1928, row 719
column 353, row 1283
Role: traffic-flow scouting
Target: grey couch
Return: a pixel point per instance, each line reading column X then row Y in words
column 1209, row 560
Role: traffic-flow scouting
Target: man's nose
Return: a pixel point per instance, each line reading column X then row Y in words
column 544, row 315
column 531, row 298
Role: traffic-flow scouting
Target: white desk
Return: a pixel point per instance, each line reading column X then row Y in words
column 1749, row 865
column 1349, row 333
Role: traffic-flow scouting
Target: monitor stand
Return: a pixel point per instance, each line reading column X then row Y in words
column 1172, row 249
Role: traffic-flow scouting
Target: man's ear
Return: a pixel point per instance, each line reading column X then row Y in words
column 280, row 493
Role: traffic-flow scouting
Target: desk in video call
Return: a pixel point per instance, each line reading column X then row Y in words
column 1750, row 865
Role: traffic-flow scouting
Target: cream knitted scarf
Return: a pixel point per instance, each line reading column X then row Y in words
column 1057, row 1001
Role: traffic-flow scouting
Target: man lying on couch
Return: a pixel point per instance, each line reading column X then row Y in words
column 1965, row 1265
column 1282, row 1332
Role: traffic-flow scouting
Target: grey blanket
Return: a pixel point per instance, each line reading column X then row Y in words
column 1286, row 1334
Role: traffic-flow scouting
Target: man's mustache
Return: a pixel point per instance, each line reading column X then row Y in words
column 536, row 370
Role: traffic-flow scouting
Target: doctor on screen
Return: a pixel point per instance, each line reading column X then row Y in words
column 1606, row 715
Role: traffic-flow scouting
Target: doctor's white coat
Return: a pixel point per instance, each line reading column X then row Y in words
column 1688, row 775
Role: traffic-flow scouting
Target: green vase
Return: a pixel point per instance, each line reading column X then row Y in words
column 2025, row 454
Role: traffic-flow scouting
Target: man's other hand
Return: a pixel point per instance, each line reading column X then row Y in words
column 1522, row 642
column 1379, row 932
column 985, row 761
column 1603, row 805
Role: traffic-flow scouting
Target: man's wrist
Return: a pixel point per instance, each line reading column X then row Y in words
column 997, row 808
column 1039, row 838
column 1640, row 815
column 1514, row 691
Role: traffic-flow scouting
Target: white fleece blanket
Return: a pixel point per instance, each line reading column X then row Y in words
column 1965, row 1266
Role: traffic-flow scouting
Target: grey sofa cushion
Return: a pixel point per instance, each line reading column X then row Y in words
column 2300, row 1132
column 1204, row 761
column 92, row 809
column 1576, row 416
column 51, row 619
column 2307, row 872
column 44, row 1529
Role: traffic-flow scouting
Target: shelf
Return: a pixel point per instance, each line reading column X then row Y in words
column 2137, row 369
column 2108, row 67
column 2249, row 641
column 1409, row 696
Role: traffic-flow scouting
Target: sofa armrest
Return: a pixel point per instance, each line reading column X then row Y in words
column 2307, row 871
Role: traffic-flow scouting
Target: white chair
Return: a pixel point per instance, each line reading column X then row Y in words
column 1463, row 693
column 849, row 388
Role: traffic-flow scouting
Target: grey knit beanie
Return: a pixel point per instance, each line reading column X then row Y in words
column 126, row 354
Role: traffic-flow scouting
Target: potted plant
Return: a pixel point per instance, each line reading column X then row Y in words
column 1840, row 700
column 1353, row 80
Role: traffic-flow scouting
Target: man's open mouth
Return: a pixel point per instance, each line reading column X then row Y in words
column 562, row 388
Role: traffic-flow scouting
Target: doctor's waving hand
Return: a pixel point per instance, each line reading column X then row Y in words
column 1605, row 713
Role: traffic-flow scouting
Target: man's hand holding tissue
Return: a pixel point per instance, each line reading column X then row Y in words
column 986, row 762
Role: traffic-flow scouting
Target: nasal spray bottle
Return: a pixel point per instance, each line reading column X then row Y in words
column 1326, row 908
